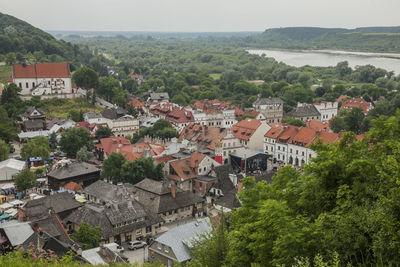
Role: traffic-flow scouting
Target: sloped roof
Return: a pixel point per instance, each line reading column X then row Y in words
column 72, row 170
column 42, row 70
column 318, row 125
column 357, row 103
column 268, row 101
column 275, row 131
column 288, row 133
column 186, row 168
column 180, row 237
column 303, row 137
column 111, row 144
column 180, row 116
column 136, row 103
column 327, row 137
column 72, row 186
column 305, row 110
column 244, row 129
column 13, row 164
column 17, row 232
column 208, row 136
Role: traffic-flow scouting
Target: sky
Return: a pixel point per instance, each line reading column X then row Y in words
column 201, row 15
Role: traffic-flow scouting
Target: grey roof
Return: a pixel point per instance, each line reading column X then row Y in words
column 107, row 192
column 245, row 153
column 13, row 164
column 39, row 208
column 229, row 191
column 33, row 124
column 53, row 227
column 73, row 170
column 180, row 237
column 34, row 134
column 113, row 113
column 17, row 232
column 159, row 96
column 29, row 110
column 268, row 101
column 305, row 110
column 48, row 242
column 92, row 115
column 106, row 217
column 159, row 200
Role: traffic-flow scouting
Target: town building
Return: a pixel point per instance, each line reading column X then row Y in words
column 175, row 244
column 124, row 126
column 180, row 118
column 81, row 173
column 250, row 133
column 9, row 168
column 355, row 102
column 169, row 201
column 158, row 97
column 271, row 108
column 43, row 79
column 328, row 110
column 304, row 112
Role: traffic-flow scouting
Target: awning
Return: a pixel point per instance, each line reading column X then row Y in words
column 81, row 200
column 7, row 186
column 41, row 180
column 5, row 216
column 16, row 202
column 5, row 206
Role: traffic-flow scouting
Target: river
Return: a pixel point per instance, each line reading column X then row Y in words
column 325, row 58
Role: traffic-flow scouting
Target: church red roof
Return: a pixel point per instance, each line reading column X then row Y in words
column 42, row 70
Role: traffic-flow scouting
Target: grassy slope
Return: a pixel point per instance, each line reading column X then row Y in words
column 59, row 108
column 5, row 73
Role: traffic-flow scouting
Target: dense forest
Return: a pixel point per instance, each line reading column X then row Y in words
column 370, row 39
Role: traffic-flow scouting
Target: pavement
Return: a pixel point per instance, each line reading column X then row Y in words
column 137, row 255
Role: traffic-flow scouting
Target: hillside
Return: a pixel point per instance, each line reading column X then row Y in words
column 368, row 39
column 19, row 36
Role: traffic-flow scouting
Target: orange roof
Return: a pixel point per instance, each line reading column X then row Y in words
column 328, row 138
column 42, row 70
column 208, row 136
column 135, row 151
column 178, row 115
column 244, row 129
column 288, row 133
column 318, row 125
column 136, row 103
column 113, row 144
column 303, row 137
column 341, row 98
column 275, row 131
column 72, row 186
column 186, row 168
column 357, row 103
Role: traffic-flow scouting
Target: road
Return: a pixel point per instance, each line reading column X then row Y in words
column 136, row 255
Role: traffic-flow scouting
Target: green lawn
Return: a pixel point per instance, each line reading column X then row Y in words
column 59, row 108
column 5, row 73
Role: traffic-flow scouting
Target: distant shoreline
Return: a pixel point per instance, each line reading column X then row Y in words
column 333, row 52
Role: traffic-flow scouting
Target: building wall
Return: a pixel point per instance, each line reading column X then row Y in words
column 256, row 141
column 177, row 214
column 43, row 90
column 7, row 172
column 328, row 110
column 162, row 253
column 298, row 152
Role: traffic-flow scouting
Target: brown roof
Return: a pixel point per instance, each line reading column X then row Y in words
column 357, row 103
column 327, row 137
column 318, row 125
column 42, row 70
column 111, row 144
column 288, row 133
column 303, row 137
column 208, row 136
column 180, row 116
column 72, row 186
column 244, row 129
column 186, row 168
column 275, row 131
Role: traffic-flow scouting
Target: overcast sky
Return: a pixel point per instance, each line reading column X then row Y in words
column 201, row 15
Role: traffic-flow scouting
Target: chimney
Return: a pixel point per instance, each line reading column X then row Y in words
column 173, row 190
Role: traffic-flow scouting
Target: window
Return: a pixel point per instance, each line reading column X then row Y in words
column 297, row 152
column 148, row 229
column 33, row 84
column 139, row 232
column 291, row 150
column 279, row 156
column 166, row 249
column 279, row 148
column 283, row 148
column 283, row 157
column 20, row 85
column 302, row 153
column 26, row 85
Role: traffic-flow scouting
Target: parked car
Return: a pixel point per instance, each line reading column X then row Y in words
column 136, row 244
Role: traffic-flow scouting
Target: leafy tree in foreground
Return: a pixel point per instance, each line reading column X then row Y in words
column 112, row 167
column 88, row 236
column 294, row 122
column 25, row 180
column 4, row 150
column 36, row 147
column 53, row 140
column 74, row 139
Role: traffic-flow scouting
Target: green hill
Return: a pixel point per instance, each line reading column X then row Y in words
column 369, row 39
column 18, row 36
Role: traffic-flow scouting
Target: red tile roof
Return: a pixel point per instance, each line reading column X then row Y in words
column 318, row 125
column 113, row 144
column 135, row 151
column 275, row 131
column 186, row 168
column 42, row 70
column 357, row 103
column 178, row 115
column 327, row 137
column 136, row 103
column 208, row 136
column 303, row 137
column 287, row 134
column 244, row 129
column 72, row 186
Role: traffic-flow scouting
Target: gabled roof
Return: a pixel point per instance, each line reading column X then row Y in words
column 244, row 129
column 327, row 137
column 318, row 125
column 159, row 96
column 268, row 101
column 13, row 164
column 16, row 232
column 186, row 168
column 72, row 170
column 275, row 131
column 357, row 103
column 42, row 70
column 287, row 134
column 111, row 144
column 208, row 136
column 303, row 137
column 304, row 110
column 72, row 186
column 178, row 115
column 136, row 103
column 181, row 238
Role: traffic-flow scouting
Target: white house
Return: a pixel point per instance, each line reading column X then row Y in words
column 125, row 125
column 42, row 79
column 250, row 133
column 10, row 167
column 328, row 110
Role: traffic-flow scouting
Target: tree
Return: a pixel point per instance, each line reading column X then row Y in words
column 108, row 87
column 4, row 150
column 74, row 139
column 76, row 115
column 88, row 236
column 354, row 119
column 294, row 122
column 103, row 132
column 36, row 147
column 7, row 129
column 10, row 58
column 84, row 155
column 112, row 167
column 25, row 180
column 53, row 140
column 85, row 77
